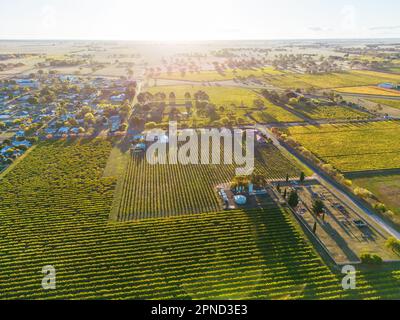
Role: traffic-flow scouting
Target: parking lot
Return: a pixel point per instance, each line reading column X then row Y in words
column 342, row 231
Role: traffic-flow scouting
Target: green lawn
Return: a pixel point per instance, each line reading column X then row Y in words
column 236, row 102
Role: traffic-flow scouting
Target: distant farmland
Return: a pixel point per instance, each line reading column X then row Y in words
column 332, row 80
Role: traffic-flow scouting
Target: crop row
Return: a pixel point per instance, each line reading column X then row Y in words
column 54, row 211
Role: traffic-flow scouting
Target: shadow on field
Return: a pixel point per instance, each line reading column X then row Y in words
column 283, row 249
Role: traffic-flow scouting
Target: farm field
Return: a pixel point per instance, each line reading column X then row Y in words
column 213, row 75
column 332, row 80
column 148, row 191
column 385, row 187
column 395, row 69
column 62, row 220
column 353, row 147
column 235, row 101
column 331, row 112
column 371, row 90
column 386, row 102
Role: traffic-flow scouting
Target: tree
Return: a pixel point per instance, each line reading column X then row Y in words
column 240, row 182
column 393, row 244
column 293, row 199
column 258, row 104
column 287, row 177
column 130, row 73
column 172, row 99
column 10, row 152
column 72, row 122
column 33, row 100
column 363, row 193
column 225, row 122
column 22, row 147
column 315, row 227
column 89, row 118
column 302, row 177
column 368, row 258
column 318, row 207
column 150, row 125
column 123, row 127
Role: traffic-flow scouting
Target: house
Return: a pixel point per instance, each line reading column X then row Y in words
column 118, row 98
column 387, row 85
column 4, row 117
column 115, row 123
column 63, row 130
column 20, row 133
column 139, row 148
column 4, row 150
column 22, row 143
column 138, row 137
column 75, row 130
column 50, row 131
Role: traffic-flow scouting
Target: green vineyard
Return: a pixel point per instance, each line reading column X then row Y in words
column 149, row 191
column 54, row 210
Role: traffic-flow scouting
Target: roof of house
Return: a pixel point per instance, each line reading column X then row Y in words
column 63, row 130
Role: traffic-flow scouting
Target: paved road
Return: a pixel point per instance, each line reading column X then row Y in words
column 333, row 185
column 370, row 96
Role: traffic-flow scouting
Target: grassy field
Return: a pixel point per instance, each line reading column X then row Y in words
column 331, row 112
column 390, row 103
column 371, row 90
column 228, row 74
column 353, row 147
column 235, row 101
column 385, row 187
column 54, row 210
column 148, row 191
column 332, row 80
column 395, row 69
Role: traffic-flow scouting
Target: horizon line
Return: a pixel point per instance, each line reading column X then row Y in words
column 199, row 40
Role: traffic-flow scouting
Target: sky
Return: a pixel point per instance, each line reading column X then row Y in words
column 183, row 20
